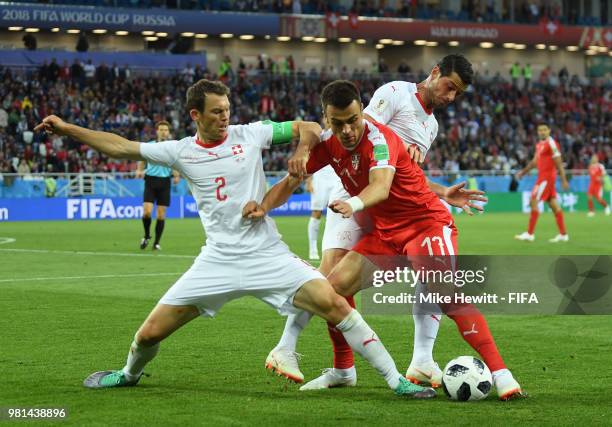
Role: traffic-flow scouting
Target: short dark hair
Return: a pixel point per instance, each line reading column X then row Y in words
column 196, row 94
column 340, row 94
column 162, row 123
column 542, row 123
column 459, row 64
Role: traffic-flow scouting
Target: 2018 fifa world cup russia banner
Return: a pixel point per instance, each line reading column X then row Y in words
column 84, row 208
column 89, row 18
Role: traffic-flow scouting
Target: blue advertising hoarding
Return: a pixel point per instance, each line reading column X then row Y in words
column 72, row 209
column 136, row 20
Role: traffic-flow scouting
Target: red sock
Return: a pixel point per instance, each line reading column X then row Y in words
column 590, row 205
column 560, row 222
column 533, row 218
column 343, row 354
column 475, row 331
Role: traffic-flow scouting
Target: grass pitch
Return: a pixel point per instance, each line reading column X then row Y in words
column 73, row 294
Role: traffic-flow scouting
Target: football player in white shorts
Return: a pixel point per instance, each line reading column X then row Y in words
column 407, row 108
column 244, row 254
column 319, row 185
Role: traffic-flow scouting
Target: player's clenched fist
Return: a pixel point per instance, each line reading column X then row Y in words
column 52, row 124
column 253, row 210
column 297, row 163
column 341, row 207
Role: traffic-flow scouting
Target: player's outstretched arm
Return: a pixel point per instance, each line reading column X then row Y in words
column 275, row 197
column 310, row 135
column 375, row 192
column 108, row 143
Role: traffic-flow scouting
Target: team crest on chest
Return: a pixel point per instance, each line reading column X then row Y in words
column 355, row 159
column 238, row 152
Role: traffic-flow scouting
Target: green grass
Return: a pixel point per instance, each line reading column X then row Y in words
column 71, row 322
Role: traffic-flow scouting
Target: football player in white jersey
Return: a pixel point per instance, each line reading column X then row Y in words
column 407, row 108
column 243, row 255
column 320, row 186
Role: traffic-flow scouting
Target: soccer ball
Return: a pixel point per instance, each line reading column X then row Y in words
column 466, row 378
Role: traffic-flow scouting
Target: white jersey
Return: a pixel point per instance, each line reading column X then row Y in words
column 223, row 177
column 397, row 105
column 323, row 182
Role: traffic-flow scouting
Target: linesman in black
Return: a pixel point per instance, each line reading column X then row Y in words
column 158, row 182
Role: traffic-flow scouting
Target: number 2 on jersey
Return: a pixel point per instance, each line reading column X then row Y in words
column 221, row 183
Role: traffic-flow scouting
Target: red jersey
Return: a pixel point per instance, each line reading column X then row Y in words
column 596, row 172
column 546, row 151
column 410, row 198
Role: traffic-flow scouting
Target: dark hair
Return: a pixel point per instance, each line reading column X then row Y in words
column 196, row 94
column 162, row 123
column 340, row 94
column 542, row 123
column 458, row 64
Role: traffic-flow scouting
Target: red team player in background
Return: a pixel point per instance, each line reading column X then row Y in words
column 548, row 160
column 408, row 219
column 596, row 174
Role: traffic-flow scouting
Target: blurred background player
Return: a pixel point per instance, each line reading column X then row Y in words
column 320, row 186
column 596, row 174
column 548, row 160
column 157, row 190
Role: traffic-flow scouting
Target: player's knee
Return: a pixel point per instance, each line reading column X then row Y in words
column 341, row 283
column 316, row 214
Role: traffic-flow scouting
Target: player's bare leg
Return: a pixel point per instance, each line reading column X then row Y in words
column 159, row 226
column 283, row 358
column 529, row 236
column 318, row 297
column 161, row 323
column 147, row 211
column 347, row 271
column 558, row 212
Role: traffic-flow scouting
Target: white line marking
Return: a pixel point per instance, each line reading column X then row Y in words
column 4, row 240
column 103, row 276
column 50, row 251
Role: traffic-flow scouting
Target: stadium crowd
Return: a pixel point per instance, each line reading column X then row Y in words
column 492, row 126
column 522, row 11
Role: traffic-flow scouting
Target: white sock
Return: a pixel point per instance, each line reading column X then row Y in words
column 138, row 357
column 313, row 234
column 293, row 328
column 500, row 373
column 366, row 343
column 427, row 319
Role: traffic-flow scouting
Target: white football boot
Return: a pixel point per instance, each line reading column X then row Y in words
column 332, row 378
column 559, row 238
column 428, row 373
column 284, row 362
column 591, row 214
column 607, row 210
column 525, row 237
column 507, row 387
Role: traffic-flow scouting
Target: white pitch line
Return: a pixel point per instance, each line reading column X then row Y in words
column 103, row 276
column 4, row 240
column 51, row 251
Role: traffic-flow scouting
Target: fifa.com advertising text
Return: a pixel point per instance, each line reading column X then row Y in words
column 493, row 284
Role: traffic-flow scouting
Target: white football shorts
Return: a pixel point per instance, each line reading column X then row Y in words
column 272, row 275
column 323, row 181
column 340, row 233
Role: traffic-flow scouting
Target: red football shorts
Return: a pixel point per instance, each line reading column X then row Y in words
column 544, row 190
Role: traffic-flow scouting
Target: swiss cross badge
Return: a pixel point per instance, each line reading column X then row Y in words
column 355, row 158
column 237, row 149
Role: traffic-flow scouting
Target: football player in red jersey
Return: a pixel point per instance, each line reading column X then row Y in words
column 596, row 174
column 408, row 219
column 548, row 160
